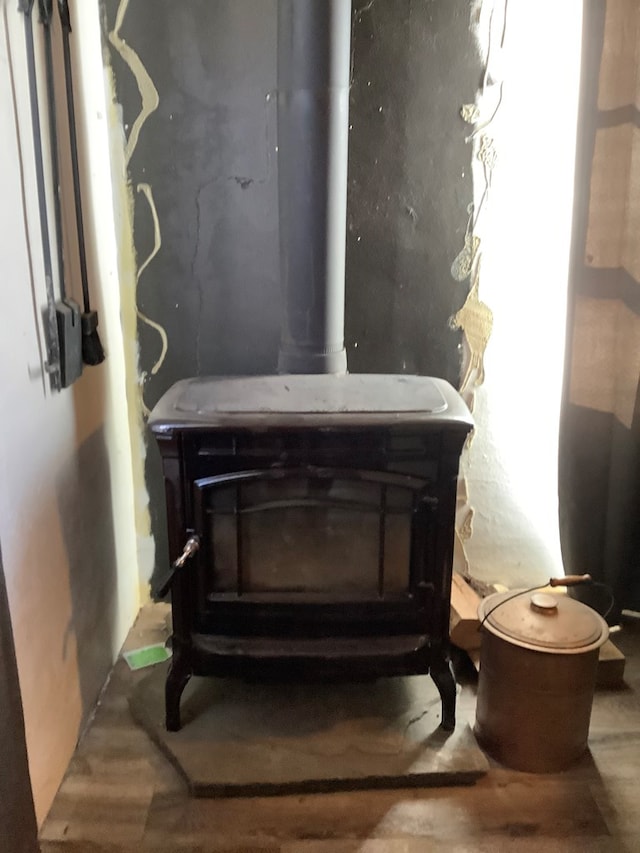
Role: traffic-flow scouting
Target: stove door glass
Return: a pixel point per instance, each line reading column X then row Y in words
column 308, row 534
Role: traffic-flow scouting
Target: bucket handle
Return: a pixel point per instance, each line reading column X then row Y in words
column 567, row 580
column 570, row 580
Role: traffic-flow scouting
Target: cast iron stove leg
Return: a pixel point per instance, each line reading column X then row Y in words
column 177, row 678
column 445, row 682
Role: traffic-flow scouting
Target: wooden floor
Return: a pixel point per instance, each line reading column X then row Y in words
column 121, row 796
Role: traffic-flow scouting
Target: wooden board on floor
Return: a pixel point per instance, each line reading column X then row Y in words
column 464, row 625
column 611, row 664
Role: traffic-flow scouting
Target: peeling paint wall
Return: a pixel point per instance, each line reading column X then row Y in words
column 124, row 139
column 514, row 320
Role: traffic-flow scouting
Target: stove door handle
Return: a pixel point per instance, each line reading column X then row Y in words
column 191, row 546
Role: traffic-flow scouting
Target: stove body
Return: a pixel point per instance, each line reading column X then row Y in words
column 322, row 508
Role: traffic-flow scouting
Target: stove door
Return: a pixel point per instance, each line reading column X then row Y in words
column 311, row 535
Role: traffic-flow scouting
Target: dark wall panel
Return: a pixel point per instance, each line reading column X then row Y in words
column 409, row 184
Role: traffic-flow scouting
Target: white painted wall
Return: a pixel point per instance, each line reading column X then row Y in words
column 525, row 227
column 67, row 523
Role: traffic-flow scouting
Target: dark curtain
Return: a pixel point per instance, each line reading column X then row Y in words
column 600, row 431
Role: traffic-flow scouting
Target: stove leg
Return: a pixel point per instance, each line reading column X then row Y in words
column 177, row 678
column 442, row 675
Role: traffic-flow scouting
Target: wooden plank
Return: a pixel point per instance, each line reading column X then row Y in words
column 611, row 663
column 464, row 624
column 474, row 657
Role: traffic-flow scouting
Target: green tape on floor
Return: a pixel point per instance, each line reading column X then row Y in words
column 147, row 656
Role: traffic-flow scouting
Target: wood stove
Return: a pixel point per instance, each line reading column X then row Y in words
column 311, row 515
column 318, row 516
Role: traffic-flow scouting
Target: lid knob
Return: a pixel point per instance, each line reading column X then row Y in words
column 542, row 602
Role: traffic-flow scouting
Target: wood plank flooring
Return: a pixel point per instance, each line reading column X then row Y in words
column 121, row 796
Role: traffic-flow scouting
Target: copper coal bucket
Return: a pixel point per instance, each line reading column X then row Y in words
column 538, row 668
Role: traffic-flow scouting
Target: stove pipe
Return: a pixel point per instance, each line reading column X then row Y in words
column 314, row 57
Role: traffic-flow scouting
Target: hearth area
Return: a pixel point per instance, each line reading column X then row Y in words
column 316, row 517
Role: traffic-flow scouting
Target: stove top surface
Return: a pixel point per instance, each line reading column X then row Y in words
column 314, row 400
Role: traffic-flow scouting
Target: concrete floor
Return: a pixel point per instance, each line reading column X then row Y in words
column 120, row 794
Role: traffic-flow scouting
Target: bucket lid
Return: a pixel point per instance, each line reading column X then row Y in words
column 543, row 622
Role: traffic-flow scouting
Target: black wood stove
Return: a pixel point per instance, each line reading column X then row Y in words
column 311, row 514
column 317, row 513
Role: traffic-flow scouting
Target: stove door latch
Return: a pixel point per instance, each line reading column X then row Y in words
column 191, row 546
